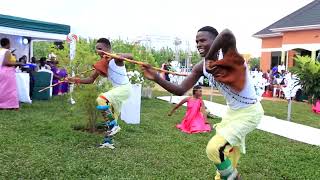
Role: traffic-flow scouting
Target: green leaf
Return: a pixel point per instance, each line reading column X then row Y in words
column 308, row 70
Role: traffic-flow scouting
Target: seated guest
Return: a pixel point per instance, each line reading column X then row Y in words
column 28, row 68
column 33, row 60
column 32, row 65
column 25, row 67
column 43, row 64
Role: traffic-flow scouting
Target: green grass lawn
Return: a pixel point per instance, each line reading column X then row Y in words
column 38, row 142
column 301, row 112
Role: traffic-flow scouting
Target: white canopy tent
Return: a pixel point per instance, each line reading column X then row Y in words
column 22, row 32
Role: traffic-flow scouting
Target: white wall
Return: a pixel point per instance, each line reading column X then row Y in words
column 16, row 43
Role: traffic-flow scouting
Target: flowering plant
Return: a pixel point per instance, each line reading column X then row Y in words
column 135, row 77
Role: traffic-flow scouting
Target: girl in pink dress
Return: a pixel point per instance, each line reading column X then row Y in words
column 8, row 85
column 316, row 107
column 195, row 120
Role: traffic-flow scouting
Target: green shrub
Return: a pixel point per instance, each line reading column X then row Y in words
column 308, row 71
column 85, row 97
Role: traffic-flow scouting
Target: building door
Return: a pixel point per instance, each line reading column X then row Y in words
column 275, row 59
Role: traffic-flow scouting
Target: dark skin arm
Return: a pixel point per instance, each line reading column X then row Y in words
column 120, row 62
column 6, row 61
column 225, row 41
column 95, row 74
column 178, row 105
column 88, row 80
column 179, row 89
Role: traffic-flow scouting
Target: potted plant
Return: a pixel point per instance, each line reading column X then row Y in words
column 137, row 79
column 308, row 71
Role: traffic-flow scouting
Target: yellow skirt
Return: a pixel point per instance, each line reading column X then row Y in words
column 236, row 124
column 117, row 96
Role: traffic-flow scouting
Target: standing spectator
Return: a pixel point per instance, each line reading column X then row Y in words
column 33, row 64
column 59, row 74
column 8, row 86
column 166, row 66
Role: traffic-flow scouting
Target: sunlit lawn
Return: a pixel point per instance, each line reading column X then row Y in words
column 38, row 142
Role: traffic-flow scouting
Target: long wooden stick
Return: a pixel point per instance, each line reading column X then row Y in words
column 124, row 59
column 85, row 72
column 64, row 81
column 48, row 87
column 141, row 63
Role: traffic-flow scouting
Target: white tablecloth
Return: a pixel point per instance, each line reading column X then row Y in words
column 130, row 112
column 23, row 87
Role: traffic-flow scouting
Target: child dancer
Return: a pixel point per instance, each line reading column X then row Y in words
column 195, row 119
column 109, row 103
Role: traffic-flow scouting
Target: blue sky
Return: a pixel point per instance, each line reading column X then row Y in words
column 163, row 20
